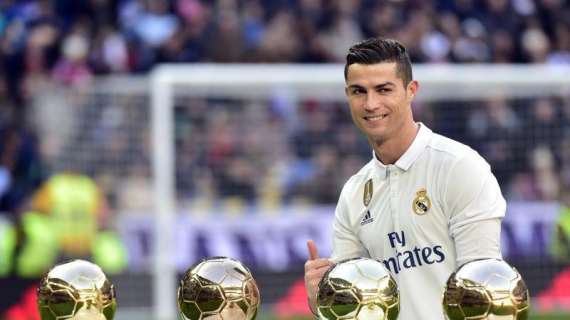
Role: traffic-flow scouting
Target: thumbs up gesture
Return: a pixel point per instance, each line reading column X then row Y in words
column 315, row 268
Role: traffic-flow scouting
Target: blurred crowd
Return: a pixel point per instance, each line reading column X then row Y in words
column 249, row 152
column 263, row 154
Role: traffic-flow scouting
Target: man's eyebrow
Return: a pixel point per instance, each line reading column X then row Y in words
column 383, row 85
column 378, row 86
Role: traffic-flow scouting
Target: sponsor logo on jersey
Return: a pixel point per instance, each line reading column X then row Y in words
column 416, row 257
column 421, row 203
column 412, row 258
column 368, row 191
column 367, row 218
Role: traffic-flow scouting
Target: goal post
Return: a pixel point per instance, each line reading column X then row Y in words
column 164, row 280
column 437, row 82
column 326, row 80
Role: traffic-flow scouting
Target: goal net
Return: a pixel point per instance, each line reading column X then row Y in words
column 248, row 160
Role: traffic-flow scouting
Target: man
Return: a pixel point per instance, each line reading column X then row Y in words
column 424, row 205
column 79, row 208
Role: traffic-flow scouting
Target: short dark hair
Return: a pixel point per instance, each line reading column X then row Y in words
column 377, row 50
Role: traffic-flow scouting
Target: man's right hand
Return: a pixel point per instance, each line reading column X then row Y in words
column 315, row 268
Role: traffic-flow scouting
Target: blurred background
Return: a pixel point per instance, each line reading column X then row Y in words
column 256, row 171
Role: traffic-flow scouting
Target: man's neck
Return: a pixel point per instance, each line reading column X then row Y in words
column 389, row 151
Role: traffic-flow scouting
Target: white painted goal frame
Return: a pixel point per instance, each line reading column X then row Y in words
column 437, row 82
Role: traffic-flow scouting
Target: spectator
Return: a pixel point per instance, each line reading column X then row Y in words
column 20, row 168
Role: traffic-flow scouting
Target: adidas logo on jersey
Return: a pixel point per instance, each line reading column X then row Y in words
column 367, row 218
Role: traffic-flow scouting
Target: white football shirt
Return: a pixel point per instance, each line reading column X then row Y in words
column 417, row 216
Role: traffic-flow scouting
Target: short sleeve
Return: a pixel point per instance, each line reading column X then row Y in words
column 472, row 193
column 478, row 240
column 346, row 243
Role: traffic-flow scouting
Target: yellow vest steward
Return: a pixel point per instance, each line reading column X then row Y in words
column 73, row 200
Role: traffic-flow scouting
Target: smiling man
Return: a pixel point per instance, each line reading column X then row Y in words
column 424, row 205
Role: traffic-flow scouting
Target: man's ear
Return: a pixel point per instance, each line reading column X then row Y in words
column 412, row 89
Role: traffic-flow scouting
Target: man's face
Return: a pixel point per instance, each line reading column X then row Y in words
column 379, row 102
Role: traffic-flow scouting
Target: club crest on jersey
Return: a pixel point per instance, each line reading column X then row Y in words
column 421, row 203
column 368, row 191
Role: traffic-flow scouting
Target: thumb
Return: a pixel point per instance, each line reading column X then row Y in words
column 313, row 253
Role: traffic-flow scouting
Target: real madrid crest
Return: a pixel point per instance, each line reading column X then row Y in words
column 421, row 203
column 368, row 191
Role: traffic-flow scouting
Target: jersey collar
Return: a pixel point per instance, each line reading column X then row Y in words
column 414, row 151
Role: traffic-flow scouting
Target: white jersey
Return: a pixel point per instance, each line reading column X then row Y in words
column 408, row 215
